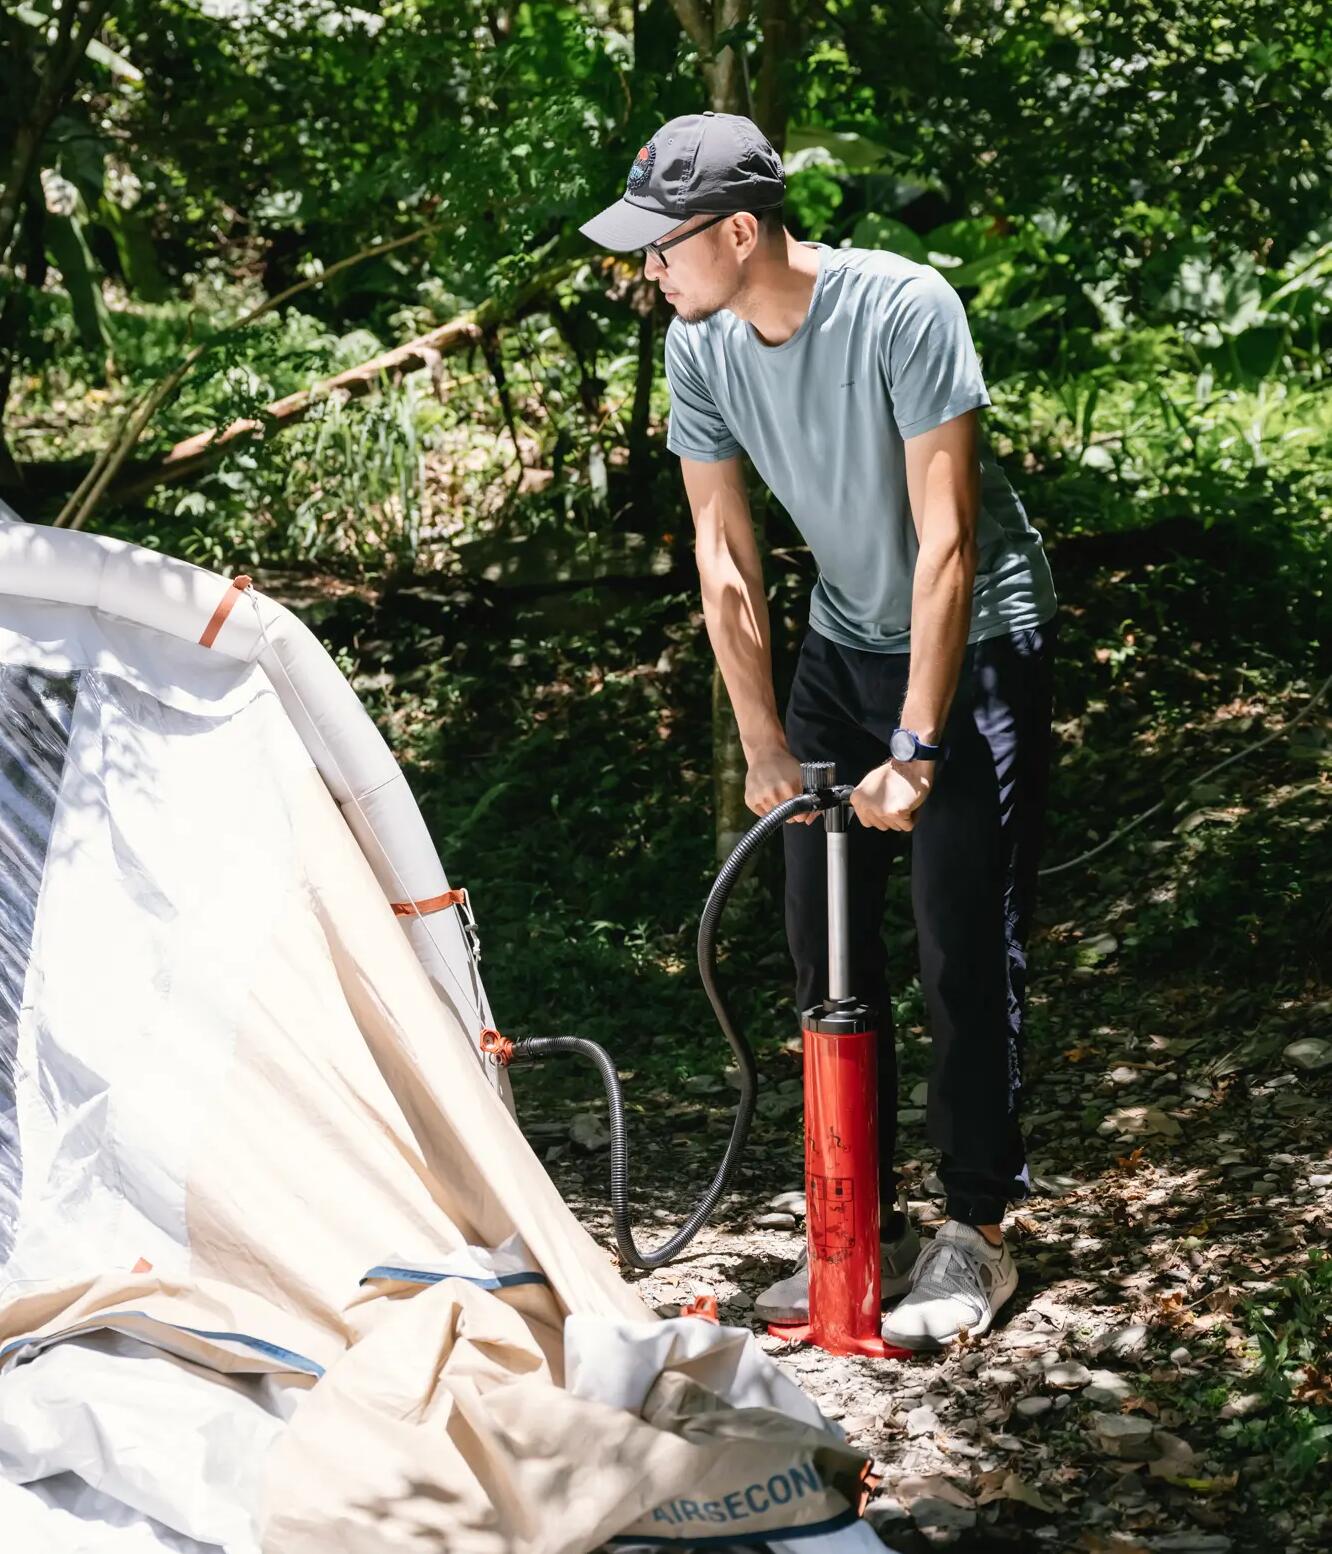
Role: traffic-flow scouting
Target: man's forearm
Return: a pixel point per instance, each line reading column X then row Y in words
column 735, row 610
column 941, row 598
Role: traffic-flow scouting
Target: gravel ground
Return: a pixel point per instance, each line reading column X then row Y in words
column 1094, row 1416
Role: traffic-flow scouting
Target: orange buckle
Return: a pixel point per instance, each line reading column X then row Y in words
column 704, row 1307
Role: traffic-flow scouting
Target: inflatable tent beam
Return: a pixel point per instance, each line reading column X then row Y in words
column 132, row 583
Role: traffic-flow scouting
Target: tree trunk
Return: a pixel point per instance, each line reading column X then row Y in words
column 731, row 818
column 781, row 47
column 640, row 445
column 495, row 361
column 63, row 59
column 22, row 187
column 578, row 334
column 727, row 82
column 725, row 74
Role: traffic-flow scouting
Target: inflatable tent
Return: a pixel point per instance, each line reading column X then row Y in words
column 278, row 1270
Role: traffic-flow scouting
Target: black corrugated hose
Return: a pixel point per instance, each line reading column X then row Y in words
column 549, row 1046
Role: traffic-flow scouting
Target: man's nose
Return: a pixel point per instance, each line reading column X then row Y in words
column 652, row 267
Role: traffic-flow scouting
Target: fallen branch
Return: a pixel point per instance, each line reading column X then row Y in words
column 93, row 487
column 199, row 453
column 203, row 450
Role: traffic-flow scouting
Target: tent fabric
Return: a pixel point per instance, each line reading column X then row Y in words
column 279, row 1273
column 109, row 580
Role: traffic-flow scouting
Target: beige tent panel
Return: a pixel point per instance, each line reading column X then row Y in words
column 279, row 1273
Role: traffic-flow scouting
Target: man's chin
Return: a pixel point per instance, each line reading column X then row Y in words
column 692, row 315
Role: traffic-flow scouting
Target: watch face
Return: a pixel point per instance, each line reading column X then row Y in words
column 901, row 745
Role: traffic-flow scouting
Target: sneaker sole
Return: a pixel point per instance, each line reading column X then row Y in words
column 890, row 1290
column 921, row 1343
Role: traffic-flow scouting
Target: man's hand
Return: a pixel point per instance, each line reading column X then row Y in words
column 888, row 796
column 774, row 777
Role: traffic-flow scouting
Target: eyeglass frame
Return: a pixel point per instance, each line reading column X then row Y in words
column 658, row 250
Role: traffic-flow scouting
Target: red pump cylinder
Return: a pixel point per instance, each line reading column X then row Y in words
column 842, row 1184
column 841, row 1127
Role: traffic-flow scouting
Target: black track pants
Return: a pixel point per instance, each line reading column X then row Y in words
column 973, row 855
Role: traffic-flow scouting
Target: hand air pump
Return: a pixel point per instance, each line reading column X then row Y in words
column 841, row 1103
column 841, row 1125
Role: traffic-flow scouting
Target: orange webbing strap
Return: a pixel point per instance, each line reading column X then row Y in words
column 450, row 898
column 703, row 1307
column 431, row 904
column 224, row 608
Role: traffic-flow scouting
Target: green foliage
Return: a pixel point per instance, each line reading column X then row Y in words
column 310, row 130
column 348, row 492
column 1142, row 122
column 586, row 824
column 329, row 123
column 67, row 245
column 1292, row 1327
column 1115, row 451
column 1131, row 200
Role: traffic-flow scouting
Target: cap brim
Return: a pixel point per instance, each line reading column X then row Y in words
column 624, row 226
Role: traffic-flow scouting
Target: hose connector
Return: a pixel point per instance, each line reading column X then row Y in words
column 821, row 789
column 499, row 1049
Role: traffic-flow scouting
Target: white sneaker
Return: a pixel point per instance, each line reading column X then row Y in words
column 787, row 1301
column 959, row 1282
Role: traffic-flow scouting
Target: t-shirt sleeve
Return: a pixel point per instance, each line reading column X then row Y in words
column 929, row 356
column 695, row 429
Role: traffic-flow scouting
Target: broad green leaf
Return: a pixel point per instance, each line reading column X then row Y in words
column 486, row 800
column 848, row 147
column 67, row 246
column 877, row 231
column 138, row 256
column 969, row 272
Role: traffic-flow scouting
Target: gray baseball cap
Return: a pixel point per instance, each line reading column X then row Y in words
column 698, row 163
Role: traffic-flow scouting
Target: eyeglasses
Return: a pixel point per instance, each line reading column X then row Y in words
column 658, row 250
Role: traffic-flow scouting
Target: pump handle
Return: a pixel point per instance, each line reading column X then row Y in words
column 817, row 775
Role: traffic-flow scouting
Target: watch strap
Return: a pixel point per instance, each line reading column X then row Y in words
column 921, row 751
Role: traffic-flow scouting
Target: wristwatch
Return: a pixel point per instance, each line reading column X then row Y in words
column 904, row 746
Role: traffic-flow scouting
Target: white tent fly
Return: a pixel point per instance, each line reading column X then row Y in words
column 278, row 1270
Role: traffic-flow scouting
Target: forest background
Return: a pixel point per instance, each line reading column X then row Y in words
column 296, row 288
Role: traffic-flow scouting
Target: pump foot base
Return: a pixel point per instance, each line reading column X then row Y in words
column 874, row 1347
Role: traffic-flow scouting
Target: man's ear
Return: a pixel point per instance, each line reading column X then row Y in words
column 747, row 232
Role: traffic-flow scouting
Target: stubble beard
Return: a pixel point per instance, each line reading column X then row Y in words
column 695, row 315
column 698, row 315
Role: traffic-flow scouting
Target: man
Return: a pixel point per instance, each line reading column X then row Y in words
column 849, row 378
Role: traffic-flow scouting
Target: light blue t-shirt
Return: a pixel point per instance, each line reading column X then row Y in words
column 884, row 354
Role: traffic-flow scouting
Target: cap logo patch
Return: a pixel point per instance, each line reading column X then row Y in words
column 641, row 171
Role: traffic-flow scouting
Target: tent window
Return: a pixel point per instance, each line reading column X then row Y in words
column 36, row 711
